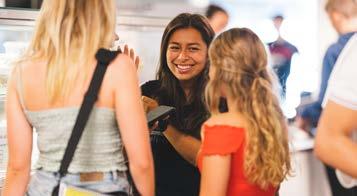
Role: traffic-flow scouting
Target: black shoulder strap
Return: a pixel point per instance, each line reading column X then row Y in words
column 104, row 57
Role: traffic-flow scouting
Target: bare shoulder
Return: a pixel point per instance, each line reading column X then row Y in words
column 28, row 69
column 230, row 119
column 25, row 65
column 121, row 73
column 122, row 62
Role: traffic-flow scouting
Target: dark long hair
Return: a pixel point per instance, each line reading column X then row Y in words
column 190, row 113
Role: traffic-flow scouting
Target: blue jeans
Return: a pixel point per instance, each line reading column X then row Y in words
column 42, row 183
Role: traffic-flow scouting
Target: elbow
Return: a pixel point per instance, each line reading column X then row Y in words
column 144, row 165
column 318, row 150
column 321, row 147
column 140, row 168
column 142, row 172
column 16, row 171
column 18, row 166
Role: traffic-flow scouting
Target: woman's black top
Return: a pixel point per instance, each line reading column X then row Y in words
column 174, row 176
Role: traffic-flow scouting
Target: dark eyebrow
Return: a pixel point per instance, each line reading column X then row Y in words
column 194, row 44
column 190, row 44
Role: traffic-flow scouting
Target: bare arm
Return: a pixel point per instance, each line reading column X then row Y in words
column 333, row 144
column 187, row 146
column 215, row 175
column 19, row 134
column 133, row 127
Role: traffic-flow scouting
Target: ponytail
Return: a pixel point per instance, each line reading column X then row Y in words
column 266, row 149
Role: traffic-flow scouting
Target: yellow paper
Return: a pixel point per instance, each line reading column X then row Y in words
column 75, row 191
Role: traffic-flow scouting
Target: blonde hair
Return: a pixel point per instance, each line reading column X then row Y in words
column 67, row 35
column 346, row 7
column 240, row 63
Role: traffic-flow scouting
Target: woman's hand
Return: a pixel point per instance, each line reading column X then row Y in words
column 130, row 52
column 149, row 104
column 127, row 51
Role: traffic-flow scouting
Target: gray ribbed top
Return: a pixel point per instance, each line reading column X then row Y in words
column 100, row 147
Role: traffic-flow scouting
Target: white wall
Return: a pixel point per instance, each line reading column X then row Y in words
column 146, row 44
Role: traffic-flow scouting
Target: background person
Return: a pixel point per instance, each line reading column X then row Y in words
column 337, row 126
column 281, row 53
column 343, row 16
column 217, row 17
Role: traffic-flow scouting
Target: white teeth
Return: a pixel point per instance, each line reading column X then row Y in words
column 184, row 67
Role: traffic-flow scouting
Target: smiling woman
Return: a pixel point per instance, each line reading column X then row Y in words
column 181, row 79
column 186, row 54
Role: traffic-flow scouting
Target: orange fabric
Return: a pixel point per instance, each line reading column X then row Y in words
column 223, row 140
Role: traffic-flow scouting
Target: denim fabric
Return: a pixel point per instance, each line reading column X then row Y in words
column 42, row 183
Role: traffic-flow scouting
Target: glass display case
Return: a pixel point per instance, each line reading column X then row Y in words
column 142, row 33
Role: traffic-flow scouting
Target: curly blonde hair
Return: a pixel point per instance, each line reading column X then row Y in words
column 240, row 62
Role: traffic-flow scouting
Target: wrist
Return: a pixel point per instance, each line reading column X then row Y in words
column 172, row 133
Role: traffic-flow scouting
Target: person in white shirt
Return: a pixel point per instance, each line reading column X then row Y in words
column 334, row 142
